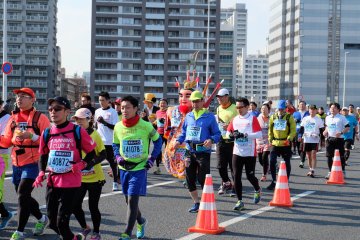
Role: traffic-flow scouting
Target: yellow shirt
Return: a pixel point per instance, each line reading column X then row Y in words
column 96, row 173
column 224, row 117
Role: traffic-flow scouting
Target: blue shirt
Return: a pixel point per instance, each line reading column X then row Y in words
column 353, row 123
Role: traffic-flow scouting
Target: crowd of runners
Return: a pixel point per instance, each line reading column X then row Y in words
column 66, row 149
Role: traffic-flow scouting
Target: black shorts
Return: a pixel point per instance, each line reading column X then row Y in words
column 308, row 147
column 348, row 143
column 334, row 143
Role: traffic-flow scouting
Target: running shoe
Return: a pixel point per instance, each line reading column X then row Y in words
column 225, row 187
column 115, row 187
column 271, row 186
column 263, row 178
column 41, row 226
column 157, row 171
column 232, row 193
column 257, row 196
column 95, row 236
column 79, row 236
column 194, row 208
column 308, row 174
column 301, row 165
column 347, row 163
column 86, row 231
column 124, row 236
column 328, row 175
column 4, row 221
column 140, row 229
column 17, row 236
column 312, row 174
column 239, row 206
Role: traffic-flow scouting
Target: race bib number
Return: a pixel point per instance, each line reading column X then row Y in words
column 332, row 128
column 280, row 125
column 221, row 128
column 132, row 148
column 60, row 161
column 243, row 142
column 193, row 134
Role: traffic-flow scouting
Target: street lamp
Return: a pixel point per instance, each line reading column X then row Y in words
column 299, row 68
column 344, row 85
column 4, row 85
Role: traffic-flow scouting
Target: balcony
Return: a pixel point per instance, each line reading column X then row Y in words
column 14, row 29
column 37, row 29
column 36, row 73
column 36, row 84
column 37, row 7
column 37, row 40
column 14, row 51
column 36, row 51
column 35, row 62
column 41, row 95
column 37, row 18
column 14, row 6
column 14, row 83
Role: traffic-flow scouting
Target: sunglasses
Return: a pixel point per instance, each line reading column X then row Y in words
column 55, row 108
column 240, row 107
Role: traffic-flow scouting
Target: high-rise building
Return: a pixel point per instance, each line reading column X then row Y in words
column 142, row 46
column 325, row 34
column 253, row 85
column 31, row 46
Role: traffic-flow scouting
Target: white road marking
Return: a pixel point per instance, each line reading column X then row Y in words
column 244, row 217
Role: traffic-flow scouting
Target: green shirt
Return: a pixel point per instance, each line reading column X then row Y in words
column 134, row 142
column 224, row 117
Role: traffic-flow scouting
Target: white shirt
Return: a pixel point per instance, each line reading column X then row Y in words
column 110, row 116
column 335, row 124
column 312, row 127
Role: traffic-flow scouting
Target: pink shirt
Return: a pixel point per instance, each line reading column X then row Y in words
column 160, row 126
column 66, row 143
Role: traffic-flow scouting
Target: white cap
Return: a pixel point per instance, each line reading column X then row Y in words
column 345, row 108
column 358, row 108
column 223, row 92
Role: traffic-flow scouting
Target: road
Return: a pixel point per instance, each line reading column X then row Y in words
column 320, row 211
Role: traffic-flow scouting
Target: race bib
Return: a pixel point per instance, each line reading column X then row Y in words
column 132, row 148
column 243, row 142
column 193, row 134
column 221, row 128
column 332, row 128
column 22, row 126
column 60, row 161
column 310, row 128
column 280, row 124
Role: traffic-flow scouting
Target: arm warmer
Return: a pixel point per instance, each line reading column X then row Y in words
column 43, row 162
column 89, row 157
column 301, row 131
column 111, row 126
column 116, row 149
column 96, row 160
column 157, row 148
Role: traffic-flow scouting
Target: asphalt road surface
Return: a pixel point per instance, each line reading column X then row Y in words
column 320, row 211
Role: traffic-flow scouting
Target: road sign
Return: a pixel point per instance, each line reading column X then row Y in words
column 7, row 67
column 300, row 97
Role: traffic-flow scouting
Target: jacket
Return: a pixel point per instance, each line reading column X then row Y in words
column 279, row 137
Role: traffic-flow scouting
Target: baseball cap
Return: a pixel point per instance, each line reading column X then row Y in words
column 196, row 95
column 27, row 91
column 60, row 100
column 312, row 106
column 357, row 107
column 118, row 101
column 223, row 92
column 345, row 108
column 82, row 113
column 281, row 104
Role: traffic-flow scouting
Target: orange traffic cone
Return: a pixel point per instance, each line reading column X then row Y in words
column 207, row 220
column 282, row 192
column 336, row 175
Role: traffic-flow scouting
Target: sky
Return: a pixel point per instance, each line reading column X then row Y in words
column 74, row 30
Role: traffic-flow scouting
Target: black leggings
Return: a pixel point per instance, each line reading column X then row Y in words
column 60, row 204
column 264, row 161
column 224, row 152
column 111, row 159
column 3, row 211
column 94, row 190
column 133, row 213
column 27, row 204
column 285, row 152
column 197, row 170
column 238, row 164
column 159, row 157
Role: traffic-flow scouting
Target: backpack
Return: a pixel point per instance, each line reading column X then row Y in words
column 35, row 121
column 76, row 130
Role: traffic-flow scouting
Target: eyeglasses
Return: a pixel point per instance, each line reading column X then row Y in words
column 23, row 96
column 240, row 107
column 55, row 108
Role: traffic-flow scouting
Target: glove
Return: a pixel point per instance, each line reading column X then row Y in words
column 120, row 160
column 39, row 179
column 149, row 163
column 101, row 120
column 77, row 167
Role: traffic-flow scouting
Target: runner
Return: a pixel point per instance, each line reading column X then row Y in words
column 224, row 114
column 244, row 129
column 199, row 132
column 322, row 115
column 22, row 132
column 290, row 107
column 60, row 149
column 262, row 143
column 93, row 178
column 149, row 113
column 354, row 113
column 309, row 133
column 299, row 116
column 253, row 109
column 117, row 104
column 349, row 136
column 131, row 140
column 86, row 103
column 106, row 117
column 282, row 130
column 336, row 125
column 6, row 216
column 160, row 122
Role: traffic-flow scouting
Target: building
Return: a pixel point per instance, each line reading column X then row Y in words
column 31, row 47
column 143, row 46
column 254, row 83
column 72, row 87
column 324, row 34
